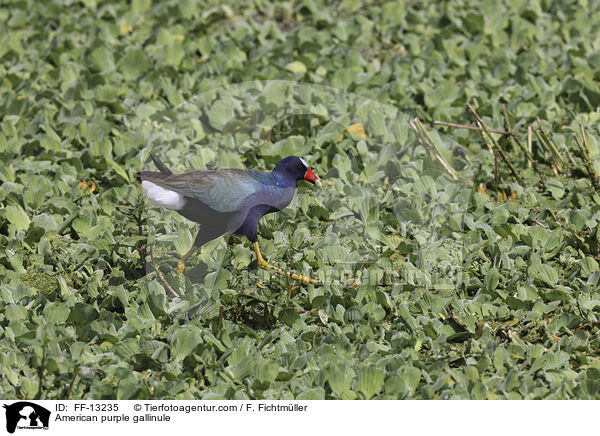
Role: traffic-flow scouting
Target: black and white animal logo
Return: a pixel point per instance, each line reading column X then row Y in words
column 26, row 415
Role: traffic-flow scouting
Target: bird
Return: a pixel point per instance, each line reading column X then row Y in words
column 228, row 200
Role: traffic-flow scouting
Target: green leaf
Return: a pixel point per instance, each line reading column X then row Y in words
column 69, row 74
column 317, row 393
column 411, row 377
column 336, row 377
column 370, row 381
column 288, row 317
column 221, row 113
column 323, row 316
column 126, row 348
column 14, row 312
column 185, row 340
column 29, row 387
column 335, row 253
column 588, row 266
column 543, row 272
column 296, row 67
column 353, row 314
column 133, row 64
column 267, row 370
column 243, row 368
column 103, row 59
column 275, row 92
column 17, row 217
column 376, row 122
column 45, row 221
column 128, row 390
column 492, row 278
column 589, row 387
column 118, row 169
column 82, row 314
column 56, row 312
column 140, row 6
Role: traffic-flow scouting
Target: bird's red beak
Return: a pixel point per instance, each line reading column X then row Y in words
column 310, row 176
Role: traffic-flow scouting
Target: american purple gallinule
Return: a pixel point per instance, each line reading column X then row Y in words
column 228, row 200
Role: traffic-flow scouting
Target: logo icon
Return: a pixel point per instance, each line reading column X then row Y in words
column 26, row 415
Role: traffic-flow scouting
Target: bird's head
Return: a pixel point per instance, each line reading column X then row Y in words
column 296, row 168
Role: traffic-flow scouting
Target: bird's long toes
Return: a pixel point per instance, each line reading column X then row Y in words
column 306, row 280
column 267, row 266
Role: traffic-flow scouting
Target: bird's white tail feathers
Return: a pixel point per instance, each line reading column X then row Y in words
column 163, row 197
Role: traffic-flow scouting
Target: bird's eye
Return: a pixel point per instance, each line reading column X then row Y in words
column 301, row 167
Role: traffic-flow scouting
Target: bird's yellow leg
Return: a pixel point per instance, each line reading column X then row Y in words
column 184, row 259
column 263, row 264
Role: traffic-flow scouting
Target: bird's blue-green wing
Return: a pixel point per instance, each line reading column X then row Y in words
column 226, row 190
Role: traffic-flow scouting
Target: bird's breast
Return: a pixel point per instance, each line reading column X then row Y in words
column 268, row 199
column 272, row 196
column 279, row 198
